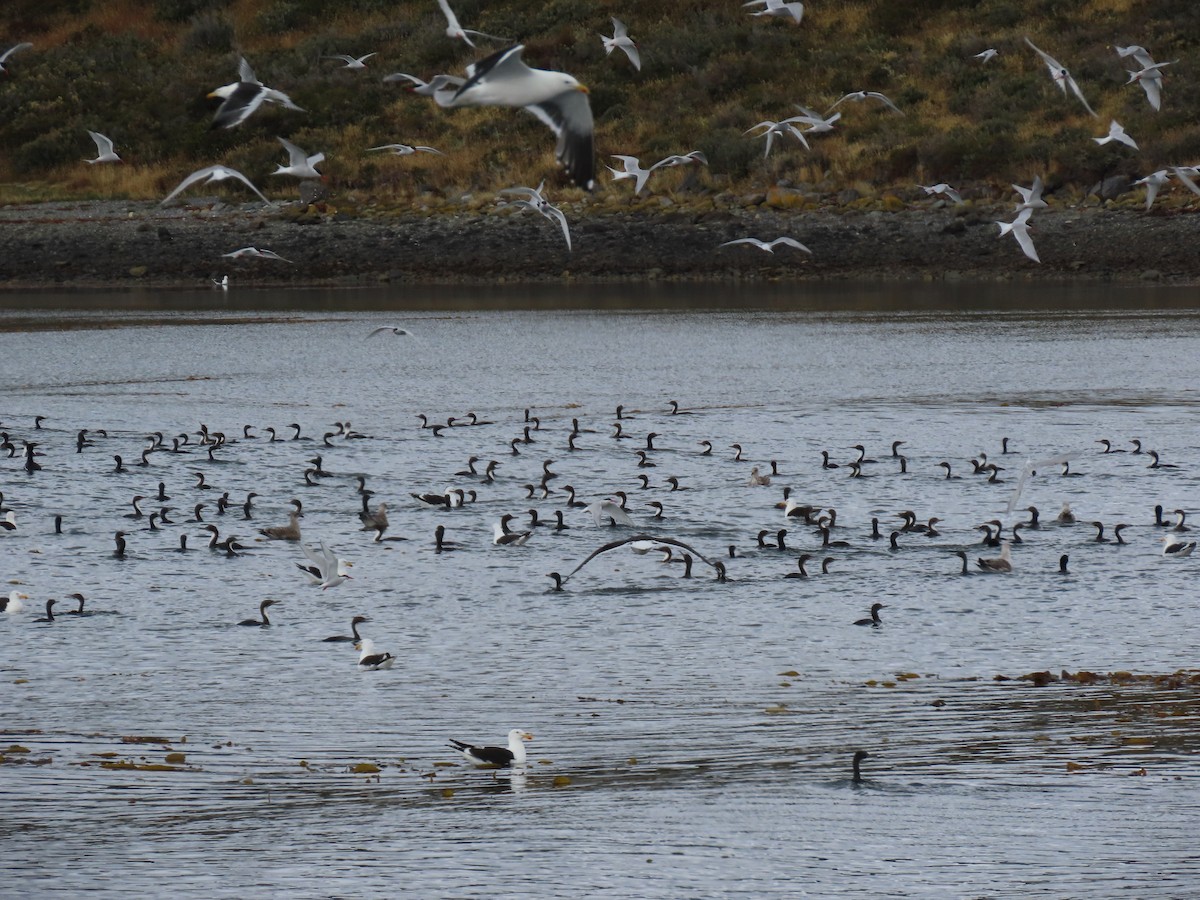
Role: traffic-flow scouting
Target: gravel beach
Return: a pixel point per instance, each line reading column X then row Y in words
column 115, row 243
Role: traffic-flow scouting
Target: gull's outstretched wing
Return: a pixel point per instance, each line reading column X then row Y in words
column 198, row 175
column 245, row 73
column 234, row 173
column 612, row 545
column 24, row 45
column 761, row 245
column 602, row 508
column 1186, row 179
column 104, row 145
column 1030, row 469
column 296, row 156
column 790, row 242
column 569, row 116
column 321, row 557
column 554, row 213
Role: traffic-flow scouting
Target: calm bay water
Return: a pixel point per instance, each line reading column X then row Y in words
column 692, row 738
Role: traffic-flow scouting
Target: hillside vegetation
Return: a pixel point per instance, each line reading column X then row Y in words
column 139, row 72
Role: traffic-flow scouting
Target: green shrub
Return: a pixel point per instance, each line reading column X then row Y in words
column 711, row 71
column 183, row 10
column 208, row 33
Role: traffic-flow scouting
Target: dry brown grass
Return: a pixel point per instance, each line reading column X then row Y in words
column 711, row 71
column 100, row 182
column 111, row 17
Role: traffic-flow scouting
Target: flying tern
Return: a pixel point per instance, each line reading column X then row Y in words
column 622, row 40
column 1061, row 76
column 104, row 149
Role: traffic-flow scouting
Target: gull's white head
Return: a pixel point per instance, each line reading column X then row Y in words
column 570, row 83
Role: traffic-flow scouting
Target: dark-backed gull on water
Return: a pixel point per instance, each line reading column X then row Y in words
column 512, row 755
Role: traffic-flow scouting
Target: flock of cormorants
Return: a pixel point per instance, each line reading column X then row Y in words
column 165, row 459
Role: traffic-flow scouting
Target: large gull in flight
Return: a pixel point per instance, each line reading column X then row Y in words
column 556, row 98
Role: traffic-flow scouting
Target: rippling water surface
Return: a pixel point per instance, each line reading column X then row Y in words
column 692, row 738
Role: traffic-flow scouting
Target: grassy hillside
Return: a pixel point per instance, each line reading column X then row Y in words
column 139, row 72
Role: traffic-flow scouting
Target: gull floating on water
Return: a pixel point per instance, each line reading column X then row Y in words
column 209, row 174
column 300, row 164
column 351, row 62
column 254, row 253
column 503, row 536
column 998, row 564
column 243, row 97
column 1019, row 229
column 778, row 9
column 369, row 660
column 456, row 32
column 556, row 98
column 622, row 39
column 769, row 246
column 104, row 149
column 505, row 757
column 1116, row 132
column 1061, row 76
column 288, row 532
column 1177, row 548
column 24, row 45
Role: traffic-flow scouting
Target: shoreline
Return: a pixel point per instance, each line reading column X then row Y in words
column 121, row 244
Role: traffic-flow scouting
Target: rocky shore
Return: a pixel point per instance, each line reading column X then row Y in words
column 125, row 243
